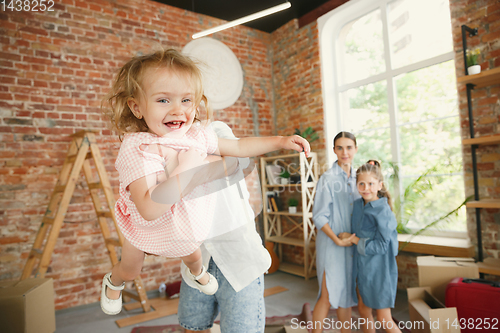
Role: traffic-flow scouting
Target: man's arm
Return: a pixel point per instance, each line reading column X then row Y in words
column 255, row 146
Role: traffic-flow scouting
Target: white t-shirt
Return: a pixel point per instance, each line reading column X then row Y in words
column 239, row 254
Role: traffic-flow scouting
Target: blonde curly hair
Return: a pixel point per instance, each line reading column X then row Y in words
column 128, row 85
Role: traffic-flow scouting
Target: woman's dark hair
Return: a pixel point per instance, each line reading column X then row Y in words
column 345, row 135
column 373, row 167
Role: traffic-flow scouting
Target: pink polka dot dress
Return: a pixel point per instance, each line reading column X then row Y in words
column 180, row 230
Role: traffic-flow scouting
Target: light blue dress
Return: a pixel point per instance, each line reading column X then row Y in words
column 333, row 203
column 375, row 265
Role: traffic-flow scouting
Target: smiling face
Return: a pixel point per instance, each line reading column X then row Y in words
column 368, row 186
column 345, row 149
column 167, row 103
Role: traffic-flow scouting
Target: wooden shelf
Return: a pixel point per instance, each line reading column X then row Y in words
column 484, row 140
column 298, row 214
column 272, row 158
column 278, row 225
column 489, row 266
column 483, row 79
column 309, row 184
column 295, row 269
column 440, row 246
column 289, row 241
column 484, row 203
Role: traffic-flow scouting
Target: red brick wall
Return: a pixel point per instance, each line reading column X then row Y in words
column 297, row 80
column 484, row 15
column 297, row 95
column 407, row 270
column 54, row 69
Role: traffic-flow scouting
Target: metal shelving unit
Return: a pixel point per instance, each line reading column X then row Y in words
column 483, row 79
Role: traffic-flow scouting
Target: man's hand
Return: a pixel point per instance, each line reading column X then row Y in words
column 296, row 143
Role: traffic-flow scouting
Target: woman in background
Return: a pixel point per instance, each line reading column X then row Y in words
column 333, row 203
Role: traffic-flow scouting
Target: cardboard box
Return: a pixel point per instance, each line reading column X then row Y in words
column 27, row 306
column 428, row 314
column 437, row 272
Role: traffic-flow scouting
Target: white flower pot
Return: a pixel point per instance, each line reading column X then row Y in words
column 476, row 69
column 292, row 209
column 284, row 181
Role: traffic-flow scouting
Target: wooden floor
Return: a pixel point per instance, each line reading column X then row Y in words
column 163, row 307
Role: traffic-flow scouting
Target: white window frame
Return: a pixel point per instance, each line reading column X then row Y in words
column 329, row 27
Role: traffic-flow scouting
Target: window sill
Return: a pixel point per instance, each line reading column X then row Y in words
column 439, row 246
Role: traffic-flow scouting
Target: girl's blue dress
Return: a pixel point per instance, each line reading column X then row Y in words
column 335, row 195
column 375, row 269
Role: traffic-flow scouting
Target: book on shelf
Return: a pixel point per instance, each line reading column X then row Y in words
column 273, row 201
column 273, row 174
column 269, row 206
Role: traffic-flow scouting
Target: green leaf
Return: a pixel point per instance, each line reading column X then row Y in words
column 446, row 217
column 308, row 131
column 285, row 174
column 314, row 137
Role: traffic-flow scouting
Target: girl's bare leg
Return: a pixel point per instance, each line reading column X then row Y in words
column 366, row 313
column 321, row 308
column 344, row 316
column 127, row 269
column 385, row 317
column 195, row 264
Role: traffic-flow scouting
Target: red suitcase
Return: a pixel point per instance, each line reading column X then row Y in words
column 477, row 302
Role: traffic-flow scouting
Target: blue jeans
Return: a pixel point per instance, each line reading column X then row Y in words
column 242, row 312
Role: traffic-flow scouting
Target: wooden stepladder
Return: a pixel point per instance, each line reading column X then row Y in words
column 82, row 149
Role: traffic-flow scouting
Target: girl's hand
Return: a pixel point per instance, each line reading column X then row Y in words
column 345, row 242
column 296, row 143
column 169, row 155
column 191, row 158
column 344, row 235
column 158, row 149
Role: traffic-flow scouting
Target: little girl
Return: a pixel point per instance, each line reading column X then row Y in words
column 375, row 272
column 155, row 100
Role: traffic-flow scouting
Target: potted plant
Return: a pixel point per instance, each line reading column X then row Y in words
column 292, row 205
column 309, row 134
column 473, row 61
column 285, row 177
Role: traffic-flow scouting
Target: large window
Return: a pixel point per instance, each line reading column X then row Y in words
column 389, row 77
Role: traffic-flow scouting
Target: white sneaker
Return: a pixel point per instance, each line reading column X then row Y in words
column 110, row 306
column 210, row 288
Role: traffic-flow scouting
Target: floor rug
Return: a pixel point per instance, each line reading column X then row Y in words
column 294, row 320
